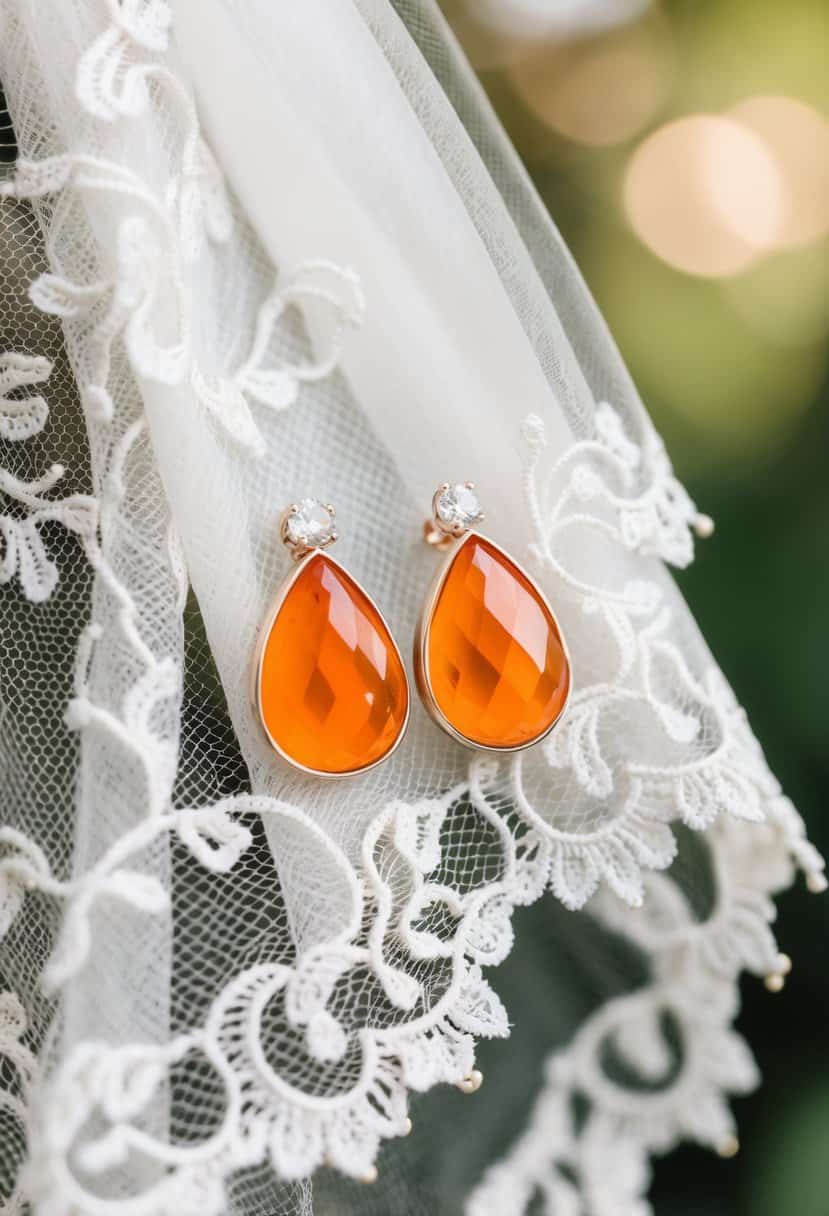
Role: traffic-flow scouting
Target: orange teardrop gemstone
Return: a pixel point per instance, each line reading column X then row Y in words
column 497, row 668
column 332, row 689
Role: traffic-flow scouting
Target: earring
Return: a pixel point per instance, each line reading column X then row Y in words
column 330, row 687
column 490, row 661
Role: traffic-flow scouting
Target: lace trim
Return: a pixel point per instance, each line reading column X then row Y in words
column 19, row 1068
column 22, row 417
column 266, row 1115
column 598, row 1161
column 335, row 297
column 625, row 491
column 23, row 552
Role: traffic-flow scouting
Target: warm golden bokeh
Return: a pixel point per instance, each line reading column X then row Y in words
column 496, row 665
column 797, row 136
column 684, row 154
column 704, row 194
column 332, row 689
column 599, row 91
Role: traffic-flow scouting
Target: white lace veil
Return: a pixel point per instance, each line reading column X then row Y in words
column 255, row 251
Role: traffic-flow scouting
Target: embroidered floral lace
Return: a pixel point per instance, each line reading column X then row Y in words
column 216, row 978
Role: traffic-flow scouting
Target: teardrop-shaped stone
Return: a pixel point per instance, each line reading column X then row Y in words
column 497, row 668
column 333, row 692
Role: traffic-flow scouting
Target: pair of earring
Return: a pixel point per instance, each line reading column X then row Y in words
column 490, row 661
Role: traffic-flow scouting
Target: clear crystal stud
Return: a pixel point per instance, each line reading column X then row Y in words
column 308, row 524
column 457, row 507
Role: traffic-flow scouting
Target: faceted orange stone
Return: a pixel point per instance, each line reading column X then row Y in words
column 496, row 664
column 332, row 689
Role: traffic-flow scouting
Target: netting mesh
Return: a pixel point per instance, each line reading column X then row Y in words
column 75, row 805
column 219, row 976
column 38, row 758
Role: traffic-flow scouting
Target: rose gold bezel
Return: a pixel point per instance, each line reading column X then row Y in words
column 421, row 648
column 259, row 652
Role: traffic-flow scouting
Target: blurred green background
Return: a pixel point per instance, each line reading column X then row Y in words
column 684, row 154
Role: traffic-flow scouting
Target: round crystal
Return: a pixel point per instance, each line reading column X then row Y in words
column 458, row 507
column 311, row 525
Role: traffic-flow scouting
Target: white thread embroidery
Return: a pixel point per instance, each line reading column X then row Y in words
column 693, row 991
column 19, row 1067
column 22, row 417
column 109, row 83
column 267, row 1116
column 333, row 296
column 717, row 766
column 23, row 552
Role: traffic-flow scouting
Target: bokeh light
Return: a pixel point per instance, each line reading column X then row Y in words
column 797, row 136
column 599, row 91
column 704, row 194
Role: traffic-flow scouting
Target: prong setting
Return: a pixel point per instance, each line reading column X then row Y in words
column 455, row 509
column 307, row 525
